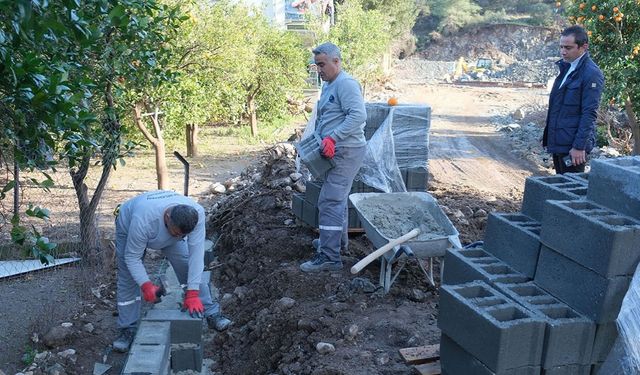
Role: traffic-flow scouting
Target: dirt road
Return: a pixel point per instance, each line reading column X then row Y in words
column 466, row 150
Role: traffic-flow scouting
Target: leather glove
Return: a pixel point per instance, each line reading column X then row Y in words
column 193, row 304
column 150, row 291
column 328, row 147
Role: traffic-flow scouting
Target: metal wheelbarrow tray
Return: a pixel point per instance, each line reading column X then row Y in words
column 399, row 213
column 425, row 245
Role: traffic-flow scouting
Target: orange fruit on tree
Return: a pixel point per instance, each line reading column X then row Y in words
column 581, row 18
column 616, row 9
column 558, row 4
column 618, row 19
column 601, row 17
column 392, row 101
column 582, row 5
column 594, row 8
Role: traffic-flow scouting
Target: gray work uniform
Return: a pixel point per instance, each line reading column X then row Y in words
column 140, row 225
column 342, row 116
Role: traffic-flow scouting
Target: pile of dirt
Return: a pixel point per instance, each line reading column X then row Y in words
column 289, row 322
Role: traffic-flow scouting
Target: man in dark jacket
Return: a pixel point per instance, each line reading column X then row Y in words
column 571, row 120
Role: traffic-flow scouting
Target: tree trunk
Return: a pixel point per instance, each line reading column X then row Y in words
column 253, row 118
column 192, row 131
column 161, row 164
column 156, row 141
column 635, row 126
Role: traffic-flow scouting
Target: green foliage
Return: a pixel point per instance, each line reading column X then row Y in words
column 454, row 14
column 401, row 14
column 362, row 35
column 29, row 355
column 614, row 43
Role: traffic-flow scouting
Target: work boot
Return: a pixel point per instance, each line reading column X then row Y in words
column 321, row 262
column 316, row 245
column 123, row 342
column 218, row 322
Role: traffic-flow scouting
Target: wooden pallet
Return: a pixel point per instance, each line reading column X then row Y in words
column 426, row 359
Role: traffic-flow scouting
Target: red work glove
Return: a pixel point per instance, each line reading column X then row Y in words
column 328, row 147
column 149, row 291
column 193, row 304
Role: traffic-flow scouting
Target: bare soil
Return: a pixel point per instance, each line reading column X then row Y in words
column 280, row 314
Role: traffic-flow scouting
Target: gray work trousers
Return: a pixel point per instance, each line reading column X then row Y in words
column 332, row 204
column 128, row 294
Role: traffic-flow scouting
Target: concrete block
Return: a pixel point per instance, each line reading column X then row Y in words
column 491, row 327
column 568, row 370
column 454, row 360
column 568, row 336
column 296, row 204
column 186, row 357
column 593, row 236
column 417, row 179
column 514, row 239
column 156, row 333
column 310, row 214
column 594, row 296
column 606, row 335
column 184, row 328
column 539, row 189
column 466, row 265
column 615, row 183
column 312, row 193
column 582, row 177
column 147, row 359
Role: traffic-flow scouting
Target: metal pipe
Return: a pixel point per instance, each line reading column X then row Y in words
column 186, row 172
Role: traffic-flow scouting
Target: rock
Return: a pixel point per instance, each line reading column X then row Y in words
column 67, row 324
column 241, row 292
column 289, row 222
column 352, row 332
column 363, row 285
column 57, row 336
column 284, row 181
column 325, row 348
column 519, row 114
column 154, row 254
column 41, row 356
column 55, row 369
column 480, row 213
column 458, row 214
column 417, row 295
column 285, row 303
column 88, row 327
column 308, row 325
column 383, row 359
column 300, row 186
column 35, row 338
column 217, row 188
column 256, row 177
column 295, row 176
column 67, row 353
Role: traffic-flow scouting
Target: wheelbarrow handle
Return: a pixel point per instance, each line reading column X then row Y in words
column 378, row 253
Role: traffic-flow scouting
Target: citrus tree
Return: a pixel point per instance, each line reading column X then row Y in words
column 614, row 42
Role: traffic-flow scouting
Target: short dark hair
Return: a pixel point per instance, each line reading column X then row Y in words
column 579, row 34
column 184, row 217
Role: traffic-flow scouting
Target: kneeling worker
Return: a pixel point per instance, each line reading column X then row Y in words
column 174, row 224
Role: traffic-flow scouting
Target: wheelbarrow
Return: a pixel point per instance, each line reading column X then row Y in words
column 403, row 225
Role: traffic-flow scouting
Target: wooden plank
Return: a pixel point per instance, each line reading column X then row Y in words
column 421, row 354
column 428, row 369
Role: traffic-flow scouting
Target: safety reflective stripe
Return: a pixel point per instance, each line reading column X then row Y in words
column 328, row 227
column 125, row 303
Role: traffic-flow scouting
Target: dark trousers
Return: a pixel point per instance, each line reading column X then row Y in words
column 558, row 164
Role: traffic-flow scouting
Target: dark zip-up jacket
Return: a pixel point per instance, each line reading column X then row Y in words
column 571, row 119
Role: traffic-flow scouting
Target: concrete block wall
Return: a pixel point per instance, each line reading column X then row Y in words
column 167, row 339
column 492, row 328
column 539, row 189
column 514, row 239
column 615, row 183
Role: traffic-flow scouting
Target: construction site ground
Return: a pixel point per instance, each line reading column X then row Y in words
column 280, row 313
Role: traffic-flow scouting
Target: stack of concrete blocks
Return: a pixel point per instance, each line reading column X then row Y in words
column 410, row 129
column 167, row 339
column 567, row 258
